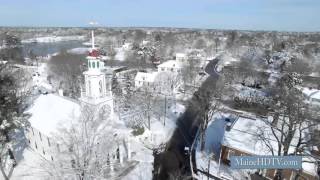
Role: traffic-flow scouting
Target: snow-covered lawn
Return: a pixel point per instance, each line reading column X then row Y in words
column 144, row 157
column 30, row 167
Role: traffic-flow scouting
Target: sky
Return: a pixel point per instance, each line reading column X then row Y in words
column 279, row 15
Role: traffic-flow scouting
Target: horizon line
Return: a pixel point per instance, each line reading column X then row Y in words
column 160, row 27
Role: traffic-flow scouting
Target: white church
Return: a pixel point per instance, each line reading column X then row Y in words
column 52, row 111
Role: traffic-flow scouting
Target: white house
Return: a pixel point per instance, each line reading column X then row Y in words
column 171, row 65
column 145, row 79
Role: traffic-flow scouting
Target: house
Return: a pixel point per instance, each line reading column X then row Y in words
column 145, row 79
column 171, row 65
column 241, row 138
column 181, row 58
column 312, row 95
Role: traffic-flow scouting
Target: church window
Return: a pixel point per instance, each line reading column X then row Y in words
column 97, row 64
column 58, row 147
column 93, row 65
column 100, row 87
column 89, row 64
column 40, row 136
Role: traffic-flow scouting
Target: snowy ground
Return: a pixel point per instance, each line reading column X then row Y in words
column 29, row 168
column 40, row 78
column 144, row 157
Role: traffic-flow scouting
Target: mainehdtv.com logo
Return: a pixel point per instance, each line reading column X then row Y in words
column 266, row 162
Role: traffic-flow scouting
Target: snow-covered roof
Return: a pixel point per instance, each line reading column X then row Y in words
column 181, row 55
column 50, row 112
column 311, row 93
column 147, row 77
column 243, row 136
column 309, row 165
column 170, row 64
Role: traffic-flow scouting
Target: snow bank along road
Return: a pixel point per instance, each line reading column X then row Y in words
column 174, row 160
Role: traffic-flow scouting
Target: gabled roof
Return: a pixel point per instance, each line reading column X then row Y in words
column 170, row 64
column 49, row 112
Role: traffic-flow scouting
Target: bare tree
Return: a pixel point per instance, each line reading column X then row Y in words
column 65, row 70
column 86, row 147
column 291, row 121
column 210, row 104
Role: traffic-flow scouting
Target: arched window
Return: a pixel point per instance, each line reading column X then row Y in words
column 98, row 64
column 93, row 65
column 89, row 64
column 89, row 88
column 100, row 87
column 40, row 136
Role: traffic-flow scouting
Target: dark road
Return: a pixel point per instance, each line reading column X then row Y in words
column 173, row 161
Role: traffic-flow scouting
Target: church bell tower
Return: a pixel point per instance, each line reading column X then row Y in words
column 97, row 88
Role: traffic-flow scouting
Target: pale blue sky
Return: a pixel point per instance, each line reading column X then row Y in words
column 282, row 15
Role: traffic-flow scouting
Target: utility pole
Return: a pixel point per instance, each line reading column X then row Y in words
column 165, row 110
column 149, row 109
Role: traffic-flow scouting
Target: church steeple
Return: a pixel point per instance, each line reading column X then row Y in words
column 97, row 91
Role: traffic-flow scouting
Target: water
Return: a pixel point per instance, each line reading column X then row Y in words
column 43, row 49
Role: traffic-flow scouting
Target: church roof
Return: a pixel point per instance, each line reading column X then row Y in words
column 49, row 112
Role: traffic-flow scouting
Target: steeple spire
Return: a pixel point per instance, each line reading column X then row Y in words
column 92, row 39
